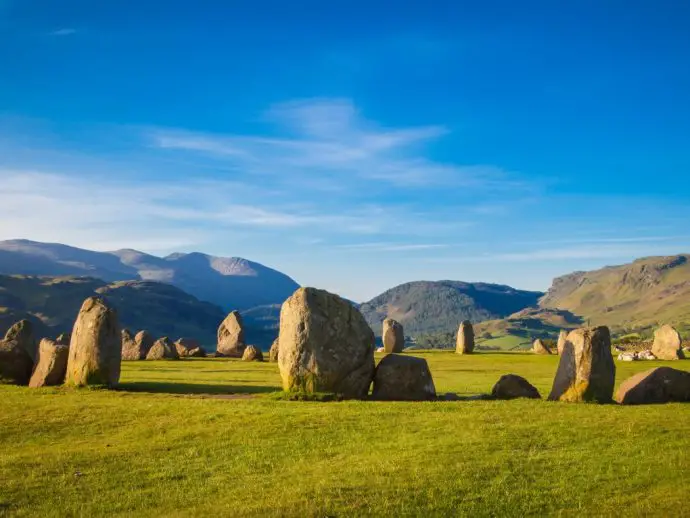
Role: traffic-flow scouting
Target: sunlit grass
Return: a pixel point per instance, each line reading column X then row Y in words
column 159, row 447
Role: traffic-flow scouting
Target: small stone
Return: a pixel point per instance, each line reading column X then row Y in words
column 403, row 378
column 252, row 354
column 659, row 385
column 512, row 386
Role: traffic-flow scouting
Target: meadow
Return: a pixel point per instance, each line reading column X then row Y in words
column 204, row 437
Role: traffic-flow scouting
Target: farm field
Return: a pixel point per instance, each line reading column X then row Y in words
column 212, row 437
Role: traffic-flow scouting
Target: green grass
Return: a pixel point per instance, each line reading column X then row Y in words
column 506, row 342
column 163, row 447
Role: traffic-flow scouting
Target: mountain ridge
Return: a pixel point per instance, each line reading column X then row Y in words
column 230, row 282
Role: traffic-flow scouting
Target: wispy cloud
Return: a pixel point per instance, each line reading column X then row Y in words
column 392, row 247
column 329, row 138
column 65, row 31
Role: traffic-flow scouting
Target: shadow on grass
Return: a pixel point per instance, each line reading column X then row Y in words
column 192, row 388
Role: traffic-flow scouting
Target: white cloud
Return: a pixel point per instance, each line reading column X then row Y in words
column 66, row 31
column 328, row 138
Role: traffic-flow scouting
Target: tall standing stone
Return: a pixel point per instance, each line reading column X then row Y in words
column 95, row 349
column 51, row 366
column 23, row 333
column 562, row 337
column 393, row 336
column 326, row 345
column 231, row 336
column 667, row 344
column 586, row 371
column 465, row 340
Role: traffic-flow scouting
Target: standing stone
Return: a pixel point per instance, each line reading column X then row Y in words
column 52, row 364
column 586, row 371
column 562, row 337
column 512, row 386
column 163, row 349
column 393, row 336
column 403, row 378
column 538, row 347
column 465, row 339
column 130, row 350
column 660, row 385
column 15, row 363
column 144, row 343
column 326, row 345
column 95, row 350
column 252, row 354
column 185, row 346
column 273, row 353
column 667, row 344
column 23, row 333
column 231, row 336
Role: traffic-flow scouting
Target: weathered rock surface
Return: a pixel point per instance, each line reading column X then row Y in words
column 231, row 336
column 325, row 345
column 15, row 363
column 393, row 336
column 562, row 337
column 660, row 385
column 95, row 350
column 51, row 367
column 23, row 333
column 273, row 353
column 538, row 347
column 667, row 344
column 511, row 386
column 185, row 346
column 163, row 349
column 465, row 340
column 130, row 348
column 252, row 354
column 586, row 371
column 403, row 378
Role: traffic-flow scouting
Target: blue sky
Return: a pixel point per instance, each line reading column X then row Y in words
column 352, row 145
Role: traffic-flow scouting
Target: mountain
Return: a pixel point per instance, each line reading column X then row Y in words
column 431, row 307
column 232, row 283
column 631, row 296
column 52, row 304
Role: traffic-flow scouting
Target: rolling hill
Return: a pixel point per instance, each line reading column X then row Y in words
column 231, row 283
column 644, row 293
column 429, row 307
column 52, row 304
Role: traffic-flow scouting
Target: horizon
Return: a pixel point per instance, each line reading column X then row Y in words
column 361, row 301
column 351, row 146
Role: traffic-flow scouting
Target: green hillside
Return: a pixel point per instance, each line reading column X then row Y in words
column 647, row 292
column 432, row 307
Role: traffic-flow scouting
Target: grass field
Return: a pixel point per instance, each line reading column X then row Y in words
column 173, row 443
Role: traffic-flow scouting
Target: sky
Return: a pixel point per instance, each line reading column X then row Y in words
column 352, row 145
